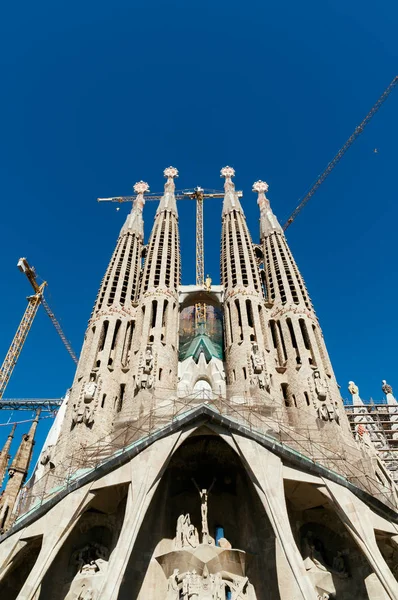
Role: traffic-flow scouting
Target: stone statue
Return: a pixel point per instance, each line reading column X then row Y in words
column 173, row 590
column 145, row 374
column 186, row 533
column 92, row 562
column 89, row 390
column 387, row 389
column 259, row 370
column 320, row 386
column 218, row 588
column 208, row 282
column 352, row 388
column 339, row 564
column 314, row 558
column 46, row 456
column 203, row 493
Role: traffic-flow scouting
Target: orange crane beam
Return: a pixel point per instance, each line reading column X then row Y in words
column 357, row 131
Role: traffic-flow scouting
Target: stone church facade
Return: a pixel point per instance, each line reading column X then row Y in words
column 202, row 460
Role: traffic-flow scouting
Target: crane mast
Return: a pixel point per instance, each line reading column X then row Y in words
column 20, row 336
column 19, row 339
column 358, row 130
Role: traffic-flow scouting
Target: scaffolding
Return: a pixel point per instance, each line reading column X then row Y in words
column 377, row 421
column 311, row 442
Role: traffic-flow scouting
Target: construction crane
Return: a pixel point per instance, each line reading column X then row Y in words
column 34, row 302
column 357, row 131
column 198, row 194
column 45, row 404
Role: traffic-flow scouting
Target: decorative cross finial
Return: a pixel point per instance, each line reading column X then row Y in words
column 261, row 187
column 227, row 172
column 141, row 187
column 170, row 173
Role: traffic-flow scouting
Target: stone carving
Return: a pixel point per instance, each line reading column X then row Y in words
column 203, row 493
column 173, row 589
column 186, row 533
column 208, row 282
column 227, row 172
column 89, row 390
column 329, row 412
column 320, row 386
column 208, row 586
column 84, row 409
column 92, row 562
column 259, row 370
column 314, row 557
column 140, row 188
column 46, row 456
column 352, row 388
column 387, row 389
column 170, row 172
column 220, row 571
column 145, row 377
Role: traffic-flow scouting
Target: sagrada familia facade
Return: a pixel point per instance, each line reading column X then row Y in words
column 201, row 458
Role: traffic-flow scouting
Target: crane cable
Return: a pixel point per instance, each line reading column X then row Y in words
column 358, row 130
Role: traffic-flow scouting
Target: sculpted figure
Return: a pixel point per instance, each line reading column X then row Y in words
column 91, row 561
column 320, row 386
column 145, row 374
column 203, row 493
column 387, row 389
column 352, row 388
column 208, row 281
column 89, row 391
column 173, row 592
column 186, row 533
column 218, row 587
column 46, row 456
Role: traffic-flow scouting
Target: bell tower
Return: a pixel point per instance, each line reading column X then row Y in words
column 305, row 372
column 155, row 341
column 98, row 390
column 246, row 338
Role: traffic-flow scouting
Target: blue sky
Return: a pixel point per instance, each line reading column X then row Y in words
column 98, row 95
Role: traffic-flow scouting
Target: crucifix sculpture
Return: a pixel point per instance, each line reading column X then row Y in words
column 204, row 494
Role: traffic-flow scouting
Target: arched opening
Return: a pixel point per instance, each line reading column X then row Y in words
column 202, row 389
column 18, row 569
column 333, row 561
column 82, row 562
column 235, row 518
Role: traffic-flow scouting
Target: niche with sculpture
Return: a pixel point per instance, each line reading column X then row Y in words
column 19, row 566
column 205, row 535
column 81, row 566
column 334, row 563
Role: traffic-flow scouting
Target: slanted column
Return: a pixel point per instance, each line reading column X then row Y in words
column 153, row 376
column 247, row 354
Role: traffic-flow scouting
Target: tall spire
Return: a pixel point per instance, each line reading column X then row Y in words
column 231, row 199
column 134, row 222
column 268, row 221
column 246, row 341
column 155, row 342
column 101, row 375
column 168, row 201
column 16, row 475
column 4, row 454
column 305, row 373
